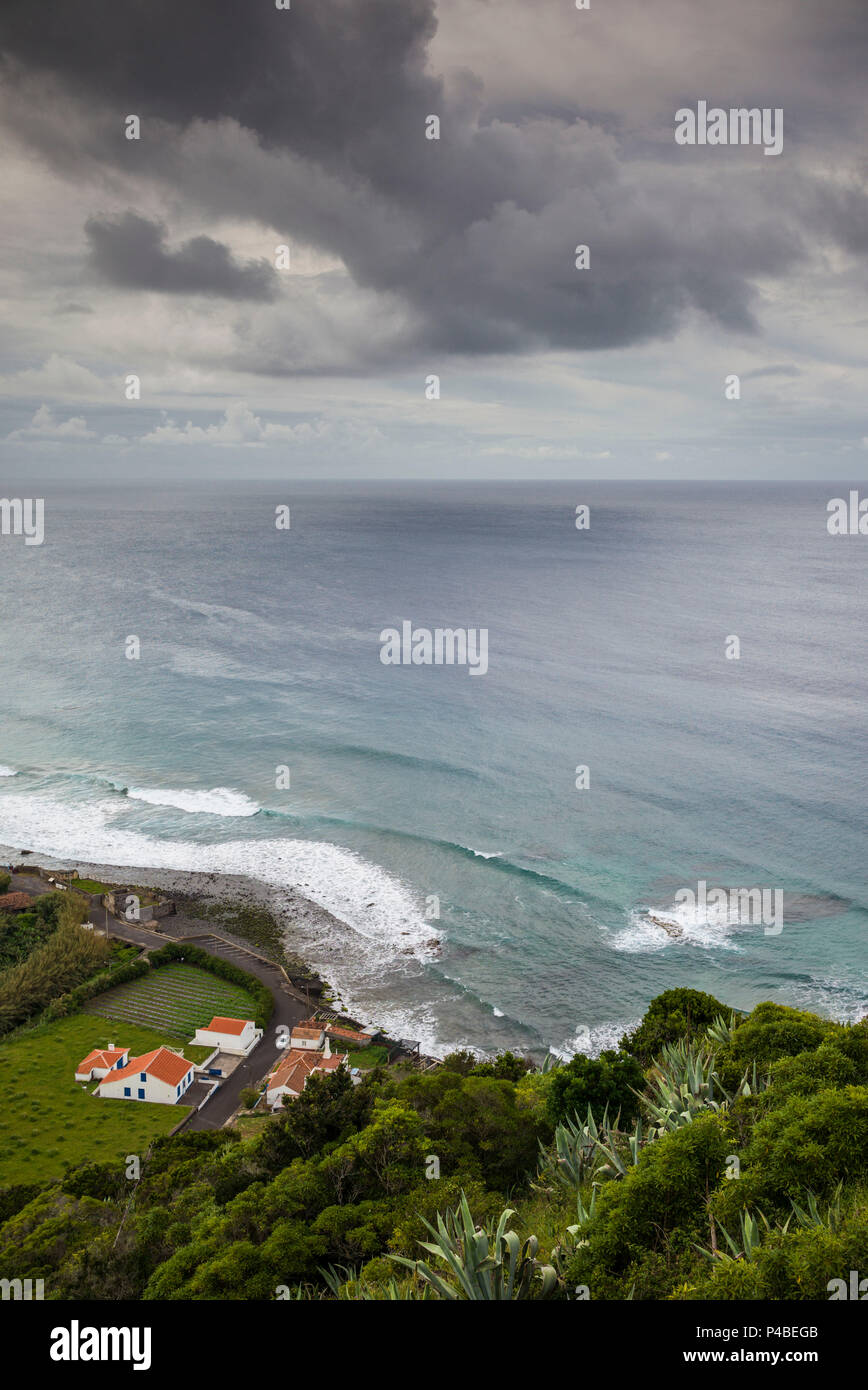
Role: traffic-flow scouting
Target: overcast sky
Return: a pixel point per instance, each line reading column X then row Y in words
column 412, row 257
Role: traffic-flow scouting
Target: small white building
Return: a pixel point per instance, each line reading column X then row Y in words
column 237, row 1035
column 101, row 1061
column 308, row 1037
column 161, row 1076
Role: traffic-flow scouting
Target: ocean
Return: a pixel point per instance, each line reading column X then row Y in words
column 423, row 789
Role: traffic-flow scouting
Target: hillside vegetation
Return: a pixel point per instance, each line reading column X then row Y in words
column 711, row 1156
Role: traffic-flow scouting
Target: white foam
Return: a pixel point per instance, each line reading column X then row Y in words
column 379, row 909
column 7, row 771
column 591, row 1041
column 841, row 1000
column 219, row 801
column 710, row 931
column 498, row 1013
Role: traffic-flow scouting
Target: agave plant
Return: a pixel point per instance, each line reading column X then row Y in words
column 573, row 1236
column 612, row 1149
column 751, row 1083
column 749, row 1239
column 682, row 1083
column 720, row 1032
column 810, row 1217
column 344, row 1284
column 571, row 1159
column 483, row 1264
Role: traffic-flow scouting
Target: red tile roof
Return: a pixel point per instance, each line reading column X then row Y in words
column 226, row 1025
column 14, row 902
column 293, row 1070
column 340, row 1029
column 162, row 1063
column 105, row 1057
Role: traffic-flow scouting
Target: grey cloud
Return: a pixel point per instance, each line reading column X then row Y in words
column 312, row 120
column 131, row 252
column 785, row 369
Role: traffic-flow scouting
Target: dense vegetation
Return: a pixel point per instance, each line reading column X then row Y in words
column 742, row 1172
column 46, row 952
column 22, row 932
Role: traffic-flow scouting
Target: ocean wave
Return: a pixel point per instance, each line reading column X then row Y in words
column 496, row 859
column 842, row 1000
column 378, row 910
column 656, row 928
column 592, row 1040
column 219, row 801
column 7, row 771
column 396, row 757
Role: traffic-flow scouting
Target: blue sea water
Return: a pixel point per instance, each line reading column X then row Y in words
column 260, row 649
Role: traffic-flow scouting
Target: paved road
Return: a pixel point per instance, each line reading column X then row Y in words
column 288, row 1010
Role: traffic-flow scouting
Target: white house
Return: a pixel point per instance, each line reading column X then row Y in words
column 101, row 1061
column 238, row 1035
column 289, row 1077
column 308, row 1036
column 161, row 1076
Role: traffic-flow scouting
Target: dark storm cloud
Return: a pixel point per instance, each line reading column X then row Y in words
column 131, row 252
column 318, row 78
column 473, row 234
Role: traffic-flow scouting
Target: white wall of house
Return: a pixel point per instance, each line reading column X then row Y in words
column 275, row 1096
column 100, row 1072
column 238, row 1043
column 150, row 1089
column 307, row 1044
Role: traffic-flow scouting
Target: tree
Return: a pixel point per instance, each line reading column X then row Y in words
column 506, row 1066
column 461, row 1061
column 674, row 1014
column 612, row 1079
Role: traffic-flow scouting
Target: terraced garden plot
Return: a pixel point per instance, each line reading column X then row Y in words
column 176, row 999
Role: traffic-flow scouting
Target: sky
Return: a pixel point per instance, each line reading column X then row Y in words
column 409, row 258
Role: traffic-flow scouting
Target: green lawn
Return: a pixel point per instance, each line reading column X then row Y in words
column 366, row 1057
column 92, row 885
column 176, row 998
column 47, row 1118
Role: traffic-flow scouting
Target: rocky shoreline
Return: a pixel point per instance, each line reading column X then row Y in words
column 214, row 902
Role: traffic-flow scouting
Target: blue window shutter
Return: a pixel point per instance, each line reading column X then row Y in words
column 126, row 1090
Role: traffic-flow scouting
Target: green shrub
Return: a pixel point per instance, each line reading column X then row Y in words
column 812, row 1071
column 68, row 957
column 610, row 1080
column 674, row 1014
column 810, row 1141
column 770, row 1032
column 506, row 1066
column 646, row 1223
column 795, row 1264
